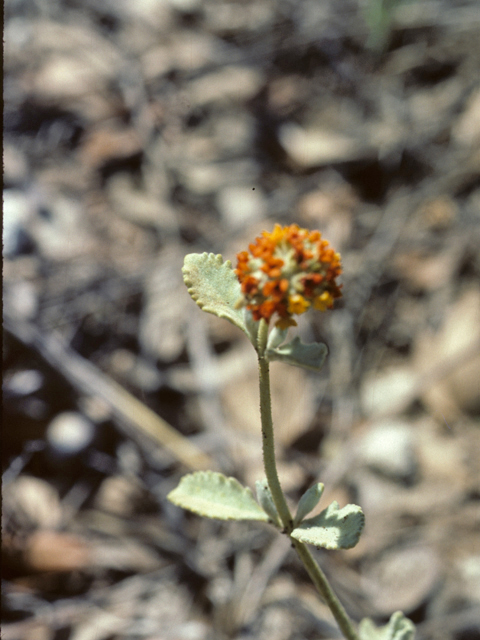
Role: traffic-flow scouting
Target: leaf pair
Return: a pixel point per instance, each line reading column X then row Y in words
column 211, row 494
column 213, row 285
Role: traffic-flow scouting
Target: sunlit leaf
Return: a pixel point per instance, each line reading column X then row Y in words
column 333, row 528
column 265, row 499
column 309, row 356
column 213, row 285
column 308, row 501
column 398, row 628
column 213, row 495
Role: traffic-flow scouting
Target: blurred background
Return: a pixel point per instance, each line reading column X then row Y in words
column 138, row 132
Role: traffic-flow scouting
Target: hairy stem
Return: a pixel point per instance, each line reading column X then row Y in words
column 320, row 581
column 316, row 574
column 268, row 448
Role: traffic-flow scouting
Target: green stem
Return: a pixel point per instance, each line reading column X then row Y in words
column 316, row 574
column 269, row 462
column 320, row 581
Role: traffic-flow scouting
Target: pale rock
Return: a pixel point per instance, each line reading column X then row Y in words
column 121, row 362
column 403, row 579
column 20, row 299
column 17, row 35
column 439, row 213
column 146, row 376
column 203, row 178
column 199, row 147
column 63, row 234
column 388, row 392
column 329, row 209
column 185, row 6
column 50, row 551
column 77, row 37
column 16, row 213
column 277, row 623
column 208, row 178
column 193, row 50
column 23, row 383
column 99, row 623
column 240, row 205
column 286, row 93
column 95, row 408
column 70, row 433
column 119, row 495
column 321, row 205
column 192, row 630
column 130, row 461
column 234, row 133
column 139, row 206
column 389, row 448
column 136, row 370
column 109, row 142
column 292, row 474
column 66, row 78
column 466, row 130
column 157, row 14
column 124, row 554
column 230, row 84
column 310, row 147
column 375, row 493
column 157, row 61
column 469, row 569
column 14, row 165
column 441, row 456
column 232, row 17
column 423, row 272
column 430, row 107
column 188, row 51
column 31, row 503
column 451, row 359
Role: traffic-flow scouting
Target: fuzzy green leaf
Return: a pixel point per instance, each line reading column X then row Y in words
column 214, row 286
column 309, row 356
column 398, row 628
column 276, row 337
column 251, row 326
column 264, row 497
column 308, row 502
column 333, row 528
column 213, row 495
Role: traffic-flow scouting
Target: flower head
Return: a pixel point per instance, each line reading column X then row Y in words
column 286, row 272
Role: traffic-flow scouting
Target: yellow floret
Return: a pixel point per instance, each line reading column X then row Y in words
column 297, row 304
column 285, row 323
column 323, row 302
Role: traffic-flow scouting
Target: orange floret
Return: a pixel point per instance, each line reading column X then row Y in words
column 287, row 271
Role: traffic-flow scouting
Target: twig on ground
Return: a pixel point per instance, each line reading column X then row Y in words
column 131, row 414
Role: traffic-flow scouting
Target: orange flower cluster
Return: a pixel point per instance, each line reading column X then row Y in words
column 286, row 272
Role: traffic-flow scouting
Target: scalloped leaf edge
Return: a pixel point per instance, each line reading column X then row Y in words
column 333, row 528
column 398, row 628
column 213, row 495
column 213, row 285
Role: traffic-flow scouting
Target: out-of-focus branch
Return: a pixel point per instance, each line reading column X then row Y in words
column 132, row 415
